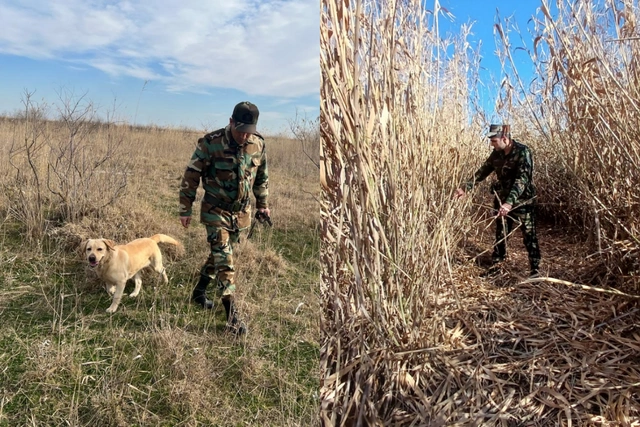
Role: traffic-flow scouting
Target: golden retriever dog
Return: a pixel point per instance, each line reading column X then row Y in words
column 115, row 264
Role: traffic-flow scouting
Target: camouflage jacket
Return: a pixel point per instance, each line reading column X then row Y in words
column 514, row 172
column 228, row 172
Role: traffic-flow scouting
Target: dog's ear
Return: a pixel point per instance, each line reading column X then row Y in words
column 111, row 245
column 83, row 247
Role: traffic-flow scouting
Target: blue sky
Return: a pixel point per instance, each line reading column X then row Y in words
column 164, row 62
column 483, row 15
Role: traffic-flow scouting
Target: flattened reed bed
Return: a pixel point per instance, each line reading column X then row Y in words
column 539, row 352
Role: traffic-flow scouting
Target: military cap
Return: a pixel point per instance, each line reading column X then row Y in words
column 245, row 117
column 498, row 130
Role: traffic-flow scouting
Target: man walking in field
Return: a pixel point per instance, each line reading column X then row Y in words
column 514, row 194
column 231, row 163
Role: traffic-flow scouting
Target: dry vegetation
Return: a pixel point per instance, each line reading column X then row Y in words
column 159, row 360
column 410, row 334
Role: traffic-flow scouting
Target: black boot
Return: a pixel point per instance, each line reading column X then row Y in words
column 535, row 272
column 494, row 270
column 199, row 293
column 234, row 325
column 491, row 272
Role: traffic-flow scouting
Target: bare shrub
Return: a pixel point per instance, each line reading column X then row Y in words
column 299, row 153
column 307, row 132
column 24, row 185
column 63, row 169
column 87, row 168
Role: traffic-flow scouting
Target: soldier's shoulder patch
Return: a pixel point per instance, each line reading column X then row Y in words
column 215, row 134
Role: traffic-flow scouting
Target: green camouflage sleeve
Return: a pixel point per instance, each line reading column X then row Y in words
column 523, row 177
column 192, row 176
column 483, row 172
column 261, row 183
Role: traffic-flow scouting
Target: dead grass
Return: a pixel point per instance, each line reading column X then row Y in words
column 160, row 360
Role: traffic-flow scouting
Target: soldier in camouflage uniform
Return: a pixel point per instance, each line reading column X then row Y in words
column 514, row 191
column 231, row 163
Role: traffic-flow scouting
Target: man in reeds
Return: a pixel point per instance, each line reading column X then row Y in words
column 514, row 194
column 231, row 162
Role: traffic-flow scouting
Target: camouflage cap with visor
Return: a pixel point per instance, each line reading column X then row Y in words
column 499, row 131
column 245, row 117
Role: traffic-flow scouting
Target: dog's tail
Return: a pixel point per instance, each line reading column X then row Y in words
column 163, row 238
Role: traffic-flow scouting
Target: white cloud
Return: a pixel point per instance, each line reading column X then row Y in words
column 261, row 48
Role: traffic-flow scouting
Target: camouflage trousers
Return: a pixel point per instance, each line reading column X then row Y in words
column 525, row 218
column 223, row 231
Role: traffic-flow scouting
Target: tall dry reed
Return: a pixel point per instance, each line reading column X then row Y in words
column 396, row 141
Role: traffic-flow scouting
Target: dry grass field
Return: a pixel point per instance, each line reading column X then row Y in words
column 410, row 332
column 159, row 360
